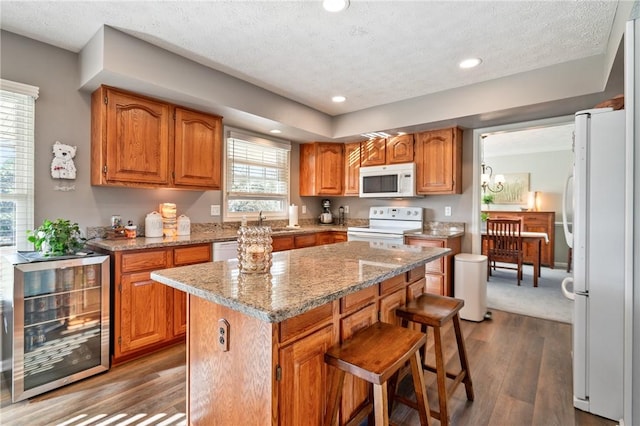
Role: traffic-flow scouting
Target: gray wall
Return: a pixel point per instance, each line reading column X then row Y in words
column 63, row 114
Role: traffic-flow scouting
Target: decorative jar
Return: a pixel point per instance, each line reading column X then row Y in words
column 254, row 249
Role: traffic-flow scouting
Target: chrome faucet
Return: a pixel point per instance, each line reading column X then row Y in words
column 260, row 218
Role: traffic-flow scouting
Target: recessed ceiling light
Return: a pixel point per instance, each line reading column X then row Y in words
column 338, row 99
column 275, row 131
column 470, row 63
column 335, row 5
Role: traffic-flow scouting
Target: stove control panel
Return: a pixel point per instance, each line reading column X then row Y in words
column 397, row 213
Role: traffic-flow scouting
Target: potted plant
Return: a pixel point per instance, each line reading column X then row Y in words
column 56, row 238
column 487, row 199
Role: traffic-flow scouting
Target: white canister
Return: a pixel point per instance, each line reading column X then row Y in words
column 153, row 225
column 184, row 225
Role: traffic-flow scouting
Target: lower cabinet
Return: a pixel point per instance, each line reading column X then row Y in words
column 286, row 380
column 439, row 273
column 288, row 242
column 303, row 367
column 148, row 315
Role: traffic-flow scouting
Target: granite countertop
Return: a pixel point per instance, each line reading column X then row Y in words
column 299, row 280
column 201, row 237
column 436, row 234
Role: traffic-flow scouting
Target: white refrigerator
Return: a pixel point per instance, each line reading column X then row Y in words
column 598, row 242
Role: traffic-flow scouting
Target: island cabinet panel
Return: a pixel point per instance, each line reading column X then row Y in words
column 303, row 368
column 352, row 169
column 355, row 391
column 274, row 373
column 439, row 161
column 138, row 141
column 236, row 386
column 321, row 168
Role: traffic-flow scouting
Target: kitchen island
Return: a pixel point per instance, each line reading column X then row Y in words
column 256, row 343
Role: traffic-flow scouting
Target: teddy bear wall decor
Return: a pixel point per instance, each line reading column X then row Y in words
column 62, row 165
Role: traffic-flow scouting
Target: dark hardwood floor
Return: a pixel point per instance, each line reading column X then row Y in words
column 520, row 366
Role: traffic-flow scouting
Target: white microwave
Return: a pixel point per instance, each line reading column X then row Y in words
column 393, row 180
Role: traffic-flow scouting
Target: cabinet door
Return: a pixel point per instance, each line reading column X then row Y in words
column 198, row 149
column 283, row 243
column 352, row 169
column 143, row 313
column 302, row 241
column 185, row 256
column 323, row 238
column 355, row 391
column 321, row 168
column 390, row 303
column 373, row 152
column 439, row 162
column 400, row 149
column 179, row 312
column 137, row 140
column 303, row 388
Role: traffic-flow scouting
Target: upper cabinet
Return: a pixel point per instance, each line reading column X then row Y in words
column 400, row 149
column 392, row 150
column 352, row 169
column 373, row 152
column 321, row 168
column 439, row 161
column 143, row 142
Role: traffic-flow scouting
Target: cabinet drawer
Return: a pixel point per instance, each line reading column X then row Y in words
column 415, row 274
column 392, row 284
column 360, row 298
column 305, row 240
column 283, row 243
column 416, row 289
column 139, row 261
column 190, row 255
column 293, row 326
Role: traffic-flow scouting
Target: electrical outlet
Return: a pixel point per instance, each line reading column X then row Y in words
column 215, row 210
column 447, row 211
column 304, row 209
column 223, row 334
column 346, row 209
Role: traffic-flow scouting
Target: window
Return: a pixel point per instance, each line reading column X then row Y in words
column 17, row 111
column 257, row 175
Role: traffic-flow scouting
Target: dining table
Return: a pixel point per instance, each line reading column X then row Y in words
column 533, row 240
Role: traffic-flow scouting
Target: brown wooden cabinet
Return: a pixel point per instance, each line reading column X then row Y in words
column 439, row 273
column 288, row 242
column 138, row 141
column 439, row 161
column 321, row 168
column 373, row 152
column 148, row 315
column 289, row 379
column 400, row 149
column 391, row 150
column 352, row 169
column 533, row 222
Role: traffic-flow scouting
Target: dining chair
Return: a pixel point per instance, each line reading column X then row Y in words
column 504, row 244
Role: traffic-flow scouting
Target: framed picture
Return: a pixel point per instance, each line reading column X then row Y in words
column 516, row 189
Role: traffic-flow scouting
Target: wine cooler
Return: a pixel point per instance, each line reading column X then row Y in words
column 55, row 322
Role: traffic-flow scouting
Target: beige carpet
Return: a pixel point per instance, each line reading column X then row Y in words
column 545, row 301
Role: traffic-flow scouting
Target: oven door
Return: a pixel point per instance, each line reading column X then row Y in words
column 375, row 236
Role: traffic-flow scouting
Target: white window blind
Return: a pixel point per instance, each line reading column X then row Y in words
column 257, row 175
column 17, row 121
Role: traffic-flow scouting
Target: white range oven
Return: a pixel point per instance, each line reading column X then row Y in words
column 388, row 225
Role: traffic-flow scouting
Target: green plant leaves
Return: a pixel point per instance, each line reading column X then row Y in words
column 57, row 238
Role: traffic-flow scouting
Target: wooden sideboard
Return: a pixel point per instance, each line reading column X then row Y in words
column 532, row 222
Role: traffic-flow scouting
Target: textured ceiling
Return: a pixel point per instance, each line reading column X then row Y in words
column 374, row 53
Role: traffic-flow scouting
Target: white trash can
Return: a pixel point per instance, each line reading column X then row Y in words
column 470, row 278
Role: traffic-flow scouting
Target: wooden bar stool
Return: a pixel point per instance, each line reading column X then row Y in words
column 430, row 310
column 374, row 354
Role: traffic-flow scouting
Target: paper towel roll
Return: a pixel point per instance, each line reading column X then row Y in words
column 293, row 215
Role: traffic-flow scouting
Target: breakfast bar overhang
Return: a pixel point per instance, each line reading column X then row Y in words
column 256, row 342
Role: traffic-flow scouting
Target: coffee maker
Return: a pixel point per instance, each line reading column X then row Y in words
column 326, row 217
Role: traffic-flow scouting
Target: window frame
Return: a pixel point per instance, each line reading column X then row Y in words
column 258, row 139
column 24, row 199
